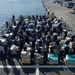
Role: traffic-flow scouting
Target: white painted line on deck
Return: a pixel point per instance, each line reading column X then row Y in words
column 37, row 69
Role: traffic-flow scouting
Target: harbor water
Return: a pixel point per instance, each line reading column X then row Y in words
column 19, row 7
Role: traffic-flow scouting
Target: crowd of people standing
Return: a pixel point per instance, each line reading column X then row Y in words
column 42, row 34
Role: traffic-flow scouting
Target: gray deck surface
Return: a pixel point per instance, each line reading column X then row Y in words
column 31, row 71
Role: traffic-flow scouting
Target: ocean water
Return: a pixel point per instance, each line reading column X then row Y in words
column 19, row 7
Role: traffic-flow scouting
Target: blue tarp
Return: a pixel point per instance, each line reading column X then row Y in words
column 70, row 58
column 53, row 58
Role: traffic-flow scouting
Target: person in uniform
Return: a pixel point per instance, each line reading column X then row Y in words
column 9, row 54
column 2, row 54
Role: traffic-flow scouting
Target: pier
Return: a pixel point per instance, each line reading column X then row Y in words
column 63, row 13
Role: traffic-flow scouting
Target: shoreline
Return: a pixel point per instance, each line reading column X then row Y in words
column 46, row 7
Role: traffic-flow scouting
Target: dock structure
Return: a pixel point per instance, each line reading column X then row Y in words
column 63, row 13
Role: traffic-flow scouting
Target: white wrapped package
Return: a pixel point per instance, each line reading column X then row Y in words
column 14, row 47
